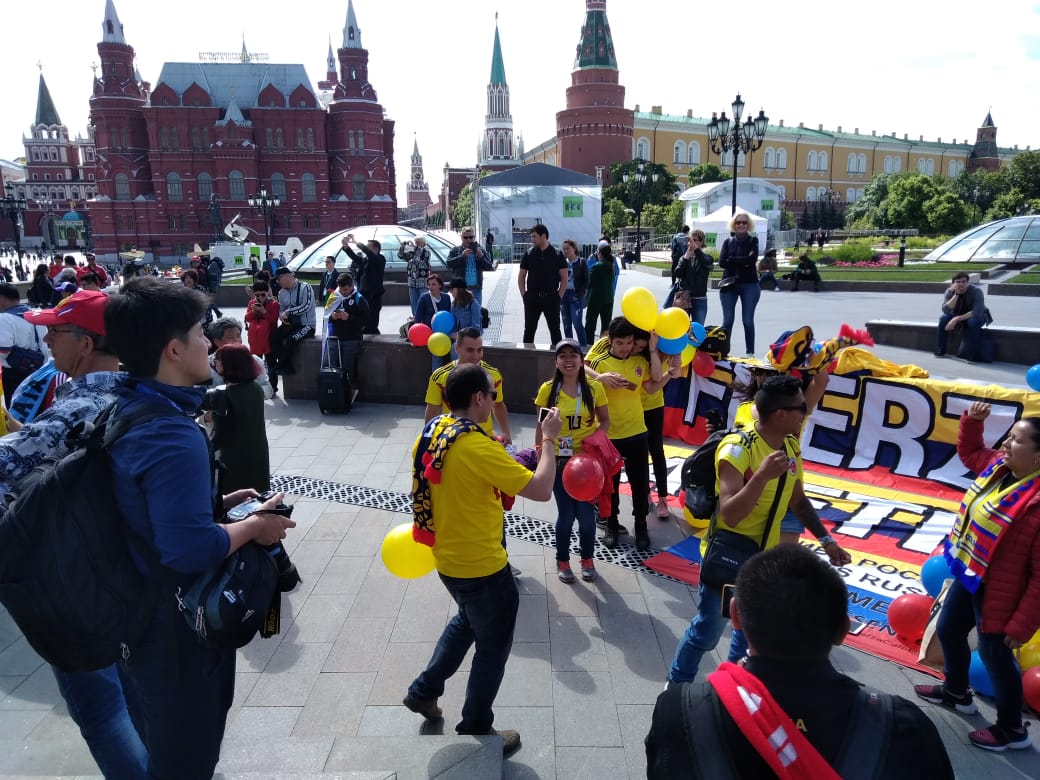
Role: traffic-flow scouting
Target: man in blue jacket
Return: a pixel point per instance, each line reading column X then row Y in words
column 164, row 487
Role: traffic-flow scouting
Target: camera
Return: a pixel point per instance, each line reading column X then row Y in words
column 543, row 412
column 288, row 576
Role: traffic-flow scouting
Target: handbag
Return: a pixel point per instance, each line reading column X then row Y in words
column 727, row 550
column 727, row 283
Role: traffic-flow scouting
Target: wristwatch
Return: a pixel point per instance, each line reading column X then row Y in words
column 825, row 540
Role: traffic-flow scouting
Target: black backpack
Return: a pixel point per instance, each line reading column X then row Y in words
column 864, row 752
column 699, row 480
column 66, row 572
column 485, row 318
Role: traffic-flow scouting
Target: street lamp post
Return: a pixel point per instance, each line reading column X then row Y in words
column 49, row 239
column 266, row 204
column 13, row 208
column 642, row 184
column 732, row 136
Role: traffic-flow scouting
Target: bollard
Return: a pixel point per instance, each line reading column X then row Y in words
column 902, row 250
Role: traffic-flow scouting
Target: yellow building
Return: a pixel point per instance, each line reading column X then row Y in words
column 803, row 162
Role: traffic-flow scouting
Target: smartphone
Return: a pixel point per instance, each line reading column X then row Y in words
column 727, row 597
column 855, row 626
column 543, row 412
column 714, row 418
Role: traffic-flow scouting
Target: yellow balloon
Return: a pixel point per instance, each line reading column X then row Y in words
column 687, row 355
column 672, row 323
column 404, row 556
column 640, row 308
column 439, row 344
column 1035, row 639
column 697, row 523
column 1029, row 656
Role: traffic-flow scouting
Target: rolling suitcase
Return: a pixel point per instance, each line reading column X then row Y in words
column 334, row 390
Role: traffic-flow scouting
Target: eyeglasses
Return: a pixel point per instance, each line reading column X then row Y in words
column 51, row 329
column 489, row 393
column 803, row 407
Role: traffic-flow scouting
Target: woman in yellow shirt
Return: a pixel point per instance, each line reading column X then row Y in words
column 583, row 408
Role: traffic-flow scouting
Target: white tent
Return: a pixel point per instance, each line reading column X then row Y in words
column 716, row 225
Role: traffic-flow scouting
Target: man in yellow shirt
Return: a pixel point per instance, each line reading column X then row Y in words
column 470, row 347
column 465, row 520
column 751, row 468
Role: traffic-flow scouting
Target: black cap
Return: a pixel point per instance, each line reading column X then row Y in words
column 572, row 343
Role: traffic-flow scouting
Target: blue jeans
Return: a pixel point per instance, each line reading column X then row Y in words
column 748, row 293
column 567, row 511
column 570, row 311
column 972, row 335
column 698, row 310
column 96, row 704
column 961, row 612
column 185, row 689
column 702, row 635
column 414, row 294
column 486, row 617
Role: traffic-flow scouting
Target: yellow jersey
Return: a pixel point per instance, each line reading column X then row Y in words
column 467, row 504
column 577, row 423
column 746, row 457
column 625, row 404
column 435, row 390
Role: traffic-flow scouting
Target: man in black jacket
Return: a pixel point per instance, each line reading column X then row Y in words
column 793, row 607
column 346, row 317
column 368, row 269
column 469, row 262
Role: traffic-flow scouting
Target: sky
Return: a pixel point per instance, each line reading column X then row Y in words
column 889, row 66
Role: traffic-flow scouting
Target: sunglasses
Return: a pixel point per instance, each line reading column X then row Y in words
column 740, row 222
column 468, row 238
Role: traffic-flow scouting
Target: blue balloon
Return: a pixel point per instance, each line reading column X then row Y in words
column 1033, row 377
column 933, row 573
column 443, row 322
column 978, row 676
column 697, row 334
column 672, row 346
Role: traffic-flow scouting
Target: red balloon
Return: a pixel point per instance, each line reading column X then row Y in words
column 703, row 364
column 419, row 334
column 583, row 477
column 1031, row 687
column 908, row 616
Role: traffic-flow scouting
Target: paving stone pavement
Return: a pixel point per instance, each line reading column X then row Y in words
column 322, row 699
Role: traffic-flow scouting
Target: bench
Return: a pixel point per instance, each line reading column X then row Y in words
column 1010, row 344
column 390, row 370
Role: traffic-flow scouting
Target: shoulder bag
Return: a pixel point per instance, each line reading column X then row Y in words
column 727, row 550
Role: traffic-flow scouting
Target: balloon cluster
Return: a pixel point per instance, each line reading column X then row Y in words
column 436, row 338
column 676, row 335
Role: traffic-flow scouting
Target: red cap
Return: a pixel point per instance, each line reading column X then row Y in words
column 84, row 309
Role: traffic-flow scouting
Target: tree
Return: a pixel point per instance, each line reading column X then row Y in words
column 1010, row 203
column 787, row 220
column 870, row 211
column 1023, row 173
column 462, row 211
column 632, row 195
column 946, row 212
column 615, row 217
column 664, row 219
column 704, row 173
column 907, row 196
